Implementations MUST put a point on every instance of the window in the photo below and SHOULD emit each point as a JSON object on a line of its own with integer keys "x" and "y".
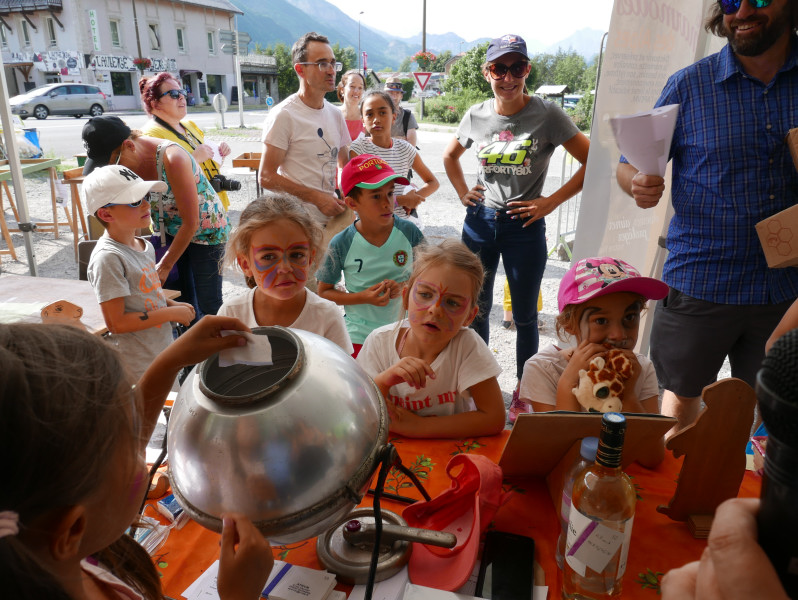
{"x": 3, "y": 36}
{"x": 155, "y": 38}
{"x": 181, "y": 39}
{"x": 50, "y": 32}
{"x": 116, "y": 41}
{"x": 211, "y": 44}
{"x": 23, "y": 27}
{"x": 121, "y": 84}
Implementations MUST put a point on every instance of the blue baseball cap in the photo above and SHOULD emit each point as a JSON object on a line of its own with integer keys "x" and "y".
{"x": 506, "y": 44}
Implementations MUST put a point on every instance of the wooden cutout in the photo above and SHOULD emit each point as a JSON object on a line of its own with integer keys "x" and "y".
{"x": 713, "y": 449}
{"x": 63, "y": 312}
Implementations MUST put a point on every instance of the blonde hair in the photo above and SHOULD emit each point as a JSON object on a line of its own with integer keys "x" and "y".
{"x": 262, "y": 212}
{"x": 570, "y": 317}
{"x": 451, "y": 253}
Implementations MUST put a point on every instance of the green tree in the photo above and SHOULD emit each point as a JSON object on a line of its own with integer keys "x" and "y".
{"x": 404, "y": 66}
{"x": 439, "y": 64}
{"x": 287, "y": 80}
{"x": 542, "y": 69}
{"x": 348, "y": 59}
{"x": 568, "y": 69}
{"x": 588, "y": 81}
{"x": 466, "y": 73}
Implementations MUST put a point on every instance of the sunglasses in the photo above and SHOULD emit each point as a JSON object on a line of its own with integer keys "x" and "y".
{"x": 135, "y": 204}
{"x": 499, "y": 71}
{"x": 174, "y": 94}
{"x": 729, "y": 7}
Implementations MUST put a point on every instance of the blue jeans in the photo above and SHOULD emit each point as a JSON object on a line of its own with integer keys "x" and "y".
{"x": 200, "y": 278}
{"x": 491, "y": 234}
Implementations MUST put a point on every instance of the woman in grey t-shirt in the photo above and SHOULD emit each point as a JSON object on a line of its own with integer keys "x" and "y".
{"x": 514, "y": 135}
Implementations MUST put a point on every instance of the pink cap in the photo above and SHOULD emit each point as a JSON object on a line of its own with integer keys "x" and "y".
{"x": 369, "y": 172}
{"x": 597, "y": 276}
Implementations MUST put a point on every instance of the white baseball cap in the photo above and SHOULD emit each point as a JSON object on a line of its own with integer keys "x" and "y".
{"x": 116, "y": 184}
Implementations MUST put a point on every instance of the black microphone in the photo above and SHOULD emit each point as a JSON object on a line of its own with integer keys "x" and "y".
{"x": 777, "y": 392}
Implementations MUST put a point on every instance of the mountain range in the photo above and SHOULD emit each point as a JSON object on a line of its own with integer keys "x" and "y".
{"x": 286, "y": 20}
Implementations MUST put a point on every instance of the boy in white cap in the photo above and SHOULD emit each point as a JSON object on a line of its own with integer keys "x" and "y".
{"x": 122, "y": 267}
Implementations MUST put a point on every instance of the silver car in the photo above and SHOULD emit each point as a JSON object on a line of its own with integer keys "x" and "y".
{"x": 60, "y": 99}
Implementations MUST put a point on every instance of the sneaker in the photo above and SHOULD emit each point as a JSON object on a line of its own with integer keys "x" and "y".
{"x": 517, "y": 407}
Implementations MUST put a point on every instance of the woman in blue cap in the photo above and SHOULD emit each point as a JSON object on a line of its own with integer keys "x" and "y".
{"x": 514, "y": 135}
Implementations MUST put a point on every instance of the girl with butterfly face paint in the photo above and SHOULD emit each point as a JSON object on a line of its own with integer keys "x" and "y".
{"x": 275, "y": 245}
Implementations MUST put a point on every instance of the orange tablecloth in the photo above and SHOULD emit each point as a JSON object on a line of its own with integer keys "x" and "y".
{"x": 658, "y": 544}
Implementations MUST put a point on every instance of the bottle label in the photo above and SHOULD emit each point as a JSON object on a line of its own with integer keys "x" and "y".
{"x": 592, "y": 544}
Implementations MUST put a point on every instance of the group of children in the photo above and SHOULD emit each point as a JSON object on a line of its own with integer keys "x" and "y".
{"x": 77, "y": 421}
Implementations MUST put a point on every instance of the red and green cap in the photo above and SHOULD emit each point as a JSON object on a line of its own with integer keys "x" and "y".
{"x": 369, "y": 172}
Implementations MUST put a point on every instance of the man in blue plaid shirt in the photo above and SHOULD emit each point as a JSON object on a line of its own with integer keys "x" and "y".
{"x": 731, "y": 169}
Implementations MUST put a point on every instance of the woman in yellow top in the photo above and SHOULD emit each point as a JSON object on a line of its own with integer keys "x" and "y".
{"x": 164, "y": 100}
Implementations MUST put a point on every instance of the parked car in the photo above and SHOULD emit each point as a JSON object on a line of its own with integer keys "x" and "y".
{"x": 60, "y": 99}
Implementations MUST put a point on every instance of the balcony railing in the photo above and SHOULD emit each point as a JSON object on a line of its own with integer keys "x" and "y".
{"x": 20, "y": 6}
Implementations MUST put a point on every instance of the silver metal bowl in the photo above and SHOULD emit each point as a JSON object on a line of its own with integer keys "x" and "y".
{"x": 293, "y": 445}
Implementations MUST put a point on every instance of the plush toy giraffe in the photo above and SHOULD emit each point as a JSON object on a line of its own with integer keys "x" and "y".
{"x": 601, "y": 386}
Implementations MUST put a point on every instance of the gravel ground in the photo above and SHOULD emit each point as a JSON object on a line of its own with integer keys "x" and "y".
{"x": 442, "y": 217}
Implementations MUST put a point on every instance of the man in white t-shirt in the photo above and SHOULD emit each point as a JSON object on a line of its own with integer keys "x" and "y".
{"x": 305, "y": 137}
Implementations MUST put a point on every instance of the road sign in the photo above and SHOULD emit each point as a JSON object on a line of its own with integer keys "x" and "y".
{"x": 422, "y": 79}
{"x": 219, "y": 103}
{"x": 269, "y": 101}
{"x": 227, "y": 41}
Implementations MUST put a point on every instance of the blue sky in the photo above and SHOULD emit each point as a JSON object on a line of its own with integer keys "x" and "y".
{"x": 547, "y": 21}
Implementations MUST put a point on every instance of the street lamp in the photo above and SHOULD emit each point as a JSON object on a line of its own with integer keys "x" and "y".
{"x": 359, "y": 55}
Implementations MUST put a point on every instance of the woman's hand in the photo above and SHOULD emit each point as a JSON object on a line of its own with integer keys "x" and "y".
{"x": 473, "y": 196}
{"x": 163, "y": 269}
{"x": 202, "y": 153}
{"x": 531, "y": 210}
{"x": 224, "y": 149}
{"x": 245, "y": 560}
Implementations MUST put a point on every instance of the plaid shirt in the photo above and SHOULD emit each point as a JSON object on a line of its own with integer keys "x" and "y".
{"x": 731, "y": 169}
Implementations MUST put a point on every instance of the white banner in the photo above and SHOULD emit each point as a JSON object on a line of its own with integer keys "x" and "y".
{"x": 649, "y": 40}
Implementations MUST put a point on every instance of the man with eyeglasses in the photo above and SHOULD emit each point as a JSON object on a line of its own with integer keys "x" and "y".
{"x": 731, "y": 169}
{"x": 305, "y": 137}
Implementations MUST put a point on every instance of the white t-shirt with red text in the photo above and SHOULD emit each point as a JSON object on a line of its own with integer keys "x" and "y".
{"x": 464, "y": 362}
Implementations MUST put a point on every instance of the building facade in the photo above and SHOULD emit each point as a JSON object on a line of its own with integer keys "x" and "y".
{"x": 113, "y": 43}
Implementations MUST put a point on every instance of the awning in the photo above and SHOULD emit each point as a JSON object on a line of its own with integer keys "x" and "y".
{"x": 184, "y": 72}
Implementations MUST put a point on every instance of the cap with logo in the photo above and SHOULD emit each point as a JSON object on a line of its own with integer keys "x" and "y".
{"x": 506, "y": 44}
{"x": 369, "y": 172}
{"x": 116, "y": 184}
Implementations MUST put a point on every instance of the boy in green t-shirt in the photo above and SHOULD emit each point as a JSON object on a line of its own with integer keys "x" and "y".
{"x": 375, "y": 253}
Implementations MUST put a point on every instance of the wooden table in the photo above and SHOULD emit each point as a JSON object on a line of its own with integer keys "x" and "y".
{"x": 658, "y": 544}
{"x": 30, "y": 166}
{"x": 250, "y": 160}
{"x": 22, "y": 298}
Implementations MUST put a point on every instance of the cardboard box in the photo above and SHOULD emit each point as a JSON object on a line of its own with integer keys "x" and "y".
{"x": 778, "y": 235}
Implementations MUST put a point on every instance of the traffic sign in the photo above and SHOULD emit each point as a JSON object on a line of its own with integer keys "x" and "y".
{"x": 422, "y": 79}
{"x": 227, "y": 40}
{"x": 269, "y": 101}
{"x": 219, "y": 103}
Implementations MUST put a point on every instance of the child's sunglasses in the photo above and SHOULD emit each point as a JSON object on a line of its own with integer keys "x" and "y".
{"x": 729, "y": 7}
{"x": 174, "y": 94}
{"x": 499, "y": 71}
{"x": 135, "y": 204}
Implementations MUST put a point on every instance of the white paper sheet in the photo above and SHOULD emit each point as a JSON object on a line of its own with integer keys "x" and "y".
{"x": 645, "y": 138}
{"x": 258, "y": 351}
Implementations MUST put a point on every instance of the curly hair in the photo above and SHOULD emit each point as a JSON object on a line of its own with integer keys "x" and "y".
{"x": 263, "y": 211}
{"x": 339, "y": 90}
{"x": 714, "y": 21}
{"x": 150, "y": 89}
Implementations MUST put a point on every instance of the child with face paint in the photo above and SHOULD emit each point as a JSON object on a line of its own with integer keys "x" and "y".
{"x": 276, "y": 245}
{"x": 374, "y": 254}
{"x": 600, "y": 301}
{"x": 73, "y": 430}
{"x": 437, "y": 376}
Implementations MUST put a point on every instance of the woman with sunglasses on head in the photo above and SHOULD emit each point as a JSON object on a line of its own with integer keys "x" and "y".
{"x": 163, "y": 98}
{"x": 189, "y": 213}
{"x": 514, "y": 135}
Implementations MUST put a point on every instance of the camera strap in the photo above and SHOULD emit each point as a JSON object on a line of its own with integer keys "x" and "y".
{"x": 193, "y": 142}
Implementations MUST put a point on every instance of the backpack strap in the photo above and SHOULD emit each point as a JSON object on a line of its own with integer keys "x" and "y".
{"x": 405, "y": 120}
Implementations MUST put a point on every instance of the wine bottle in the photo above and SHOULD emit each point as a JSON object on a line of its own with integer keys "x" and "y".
{"x": 587, "y": 456}
{"x": 600, "y": 520}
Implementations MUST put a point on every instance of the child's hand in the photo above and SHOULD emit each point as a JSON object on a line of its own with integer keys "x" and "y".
{"x": 636, "y": 368}
{"x": 410, "y": 370}
{"x": 183, "y": 313}
{"x": 205, "y": 339}
{"x": 410, "y": 200}
{"x": 243, "y": 570}
{"x": 394, "y": 289}
{"x": 378, "y": 294}
{"x": 403, "y": 421}
{"x": 580, "y": 359}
